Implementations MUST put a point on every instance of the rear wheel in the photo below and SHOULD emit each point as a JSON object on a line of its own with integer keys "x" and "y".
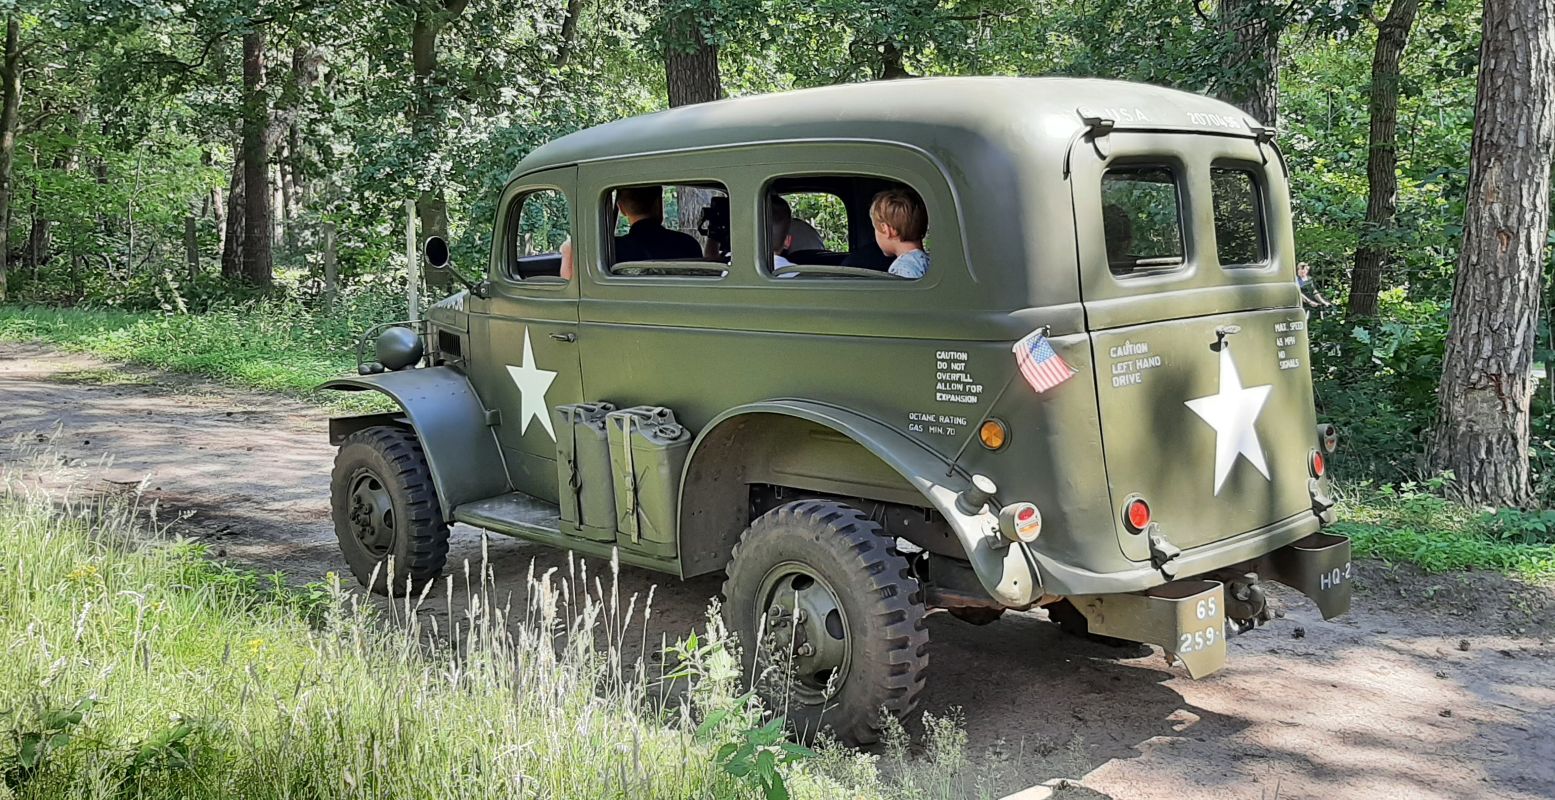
{"x": 828, "y": 612}
{"x": 386, "y": 510}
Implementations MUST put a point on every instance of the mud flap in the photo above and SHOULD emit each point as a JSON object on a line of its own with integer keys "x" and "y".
{"x": 1318, "y": 567}
{"x": 1185, "y": 618}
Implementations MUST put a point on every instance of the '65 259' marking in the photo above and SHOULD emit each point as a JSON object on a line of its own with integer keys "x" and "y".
{"x": 1197, "y": 640}
{"x": 1334, "y": 577}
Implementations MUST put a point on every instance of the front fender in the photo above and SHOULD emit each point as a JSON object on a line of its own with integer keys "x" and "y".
{"x": 1006, "y": 572}
{"x": 450, "y": 421}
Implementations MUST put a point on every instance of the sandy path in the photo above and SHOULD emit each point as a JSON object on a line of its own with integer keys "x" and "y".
{"x": 1382, "y": 703}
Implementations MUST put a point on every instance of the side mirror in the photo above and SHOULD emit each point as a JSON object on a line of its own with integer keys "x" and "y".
{"x": 435, "y": 252}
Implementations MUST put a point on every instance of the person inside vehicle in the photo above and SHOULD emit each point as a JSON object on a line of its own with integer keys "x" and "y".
{"x": 1119, "y": 233}
{"x": 565, "y": 251}
{"x": 803, "y": 236}
{"x": 901, "y": 222}
{"x": 780, "y": 220}
{"x": 648, "y": 239}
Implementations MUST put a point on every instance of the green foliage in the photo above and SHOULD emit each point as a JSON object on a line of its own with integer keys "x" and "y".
{"x": 1410, "y": 522}
{"x": 277, "y": 345}
{"x": 1378, "y": 385}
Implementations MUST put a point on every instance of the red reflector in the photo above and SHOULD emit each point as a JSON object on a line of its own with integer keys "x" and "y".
{"x": 1026, "y": 514}
{"x": 1138, "y": 514}
{"x": 1317, "y": 465}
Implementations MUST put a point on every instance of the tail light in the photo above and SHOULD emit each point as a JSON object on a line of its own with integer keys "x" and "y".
{"x": 1020, "y": 522}
{"x": 1329, "y": 436}
{"x": 1316, "y": 463}
{"x": 1136, "y": 514}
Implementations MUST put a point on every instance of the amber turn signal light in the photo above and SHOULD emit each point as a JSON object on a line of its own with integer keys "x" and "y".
{"x": 993, "y": 434}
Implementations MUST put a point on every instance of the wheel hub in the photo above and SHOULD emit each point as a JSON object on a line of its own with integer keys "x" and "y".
{"x": 807, "y": 630}
{"x": 371, "y": 514}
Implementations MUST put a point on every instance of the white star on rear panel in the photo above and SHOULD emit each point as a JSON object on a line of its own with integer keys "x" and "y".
{"x": 1232, "y": 412}
{"x": 533, "y": 383}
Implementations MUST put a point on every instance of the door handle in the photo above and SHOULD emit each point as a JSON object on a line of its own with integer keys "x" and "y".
{"x": 565, "y": 337}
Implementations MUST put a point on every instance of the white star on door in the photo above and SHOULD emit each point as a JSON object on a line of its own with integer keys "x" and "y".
{"x": 533, "y": 383}
{"x": 1232, "y": 412}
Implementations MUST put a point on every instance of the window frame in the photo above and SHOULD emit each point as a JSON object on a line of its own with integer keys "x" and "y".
{"x": 1260, "y": 211}
{"x": 514, "y": 217}
{"x": 1180, "y": 176}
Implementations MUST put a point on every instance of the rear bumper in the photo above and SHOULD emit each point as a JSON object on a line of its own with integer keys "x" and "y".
{"x": 1064, "y": 579}
{"x": 1187, "y": 618}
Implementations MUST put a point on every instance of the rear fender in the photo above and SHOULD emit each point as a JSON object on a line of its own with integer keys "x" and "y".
{"x": 450, "y": 423}
{"x": 717, "y": 469}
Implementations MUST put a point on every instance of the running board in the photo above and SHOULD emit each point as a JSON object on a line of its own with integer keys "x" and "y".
{"x": 515, "y": 514}
{"x": 518, "y": 514}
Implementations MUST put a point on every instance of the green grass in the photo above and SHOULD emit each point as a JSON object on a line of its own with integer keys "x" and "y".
{"x": 1409, "y": 525}
{"x": 275, "y": 347}
{"x": 137, "y": 668}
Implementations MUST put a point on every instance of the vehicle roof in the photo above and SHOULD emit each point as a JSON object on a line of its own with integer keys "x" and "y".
{"x": 940, "y": 115}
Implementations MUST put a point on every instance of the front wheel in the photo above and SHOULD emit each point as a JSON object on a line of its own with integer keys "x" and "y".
{"x": 387, "y": 517}
{"x": 830, "y": 616}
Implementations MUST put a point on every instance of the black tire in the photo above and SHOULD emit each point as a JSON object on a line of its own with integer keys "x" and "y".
{"x": 828, "y": 550}
{"x": 398, "y": 519}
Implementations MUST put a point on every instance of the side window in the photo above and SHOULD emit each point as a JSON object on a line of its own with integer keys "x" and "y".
{"x": 540, "y": 222}
{"x": 1240, "y": 239}
{"x": 1142, "y": 220}
{"x": 824, "y": 226}
{"x": 667, "y": 229}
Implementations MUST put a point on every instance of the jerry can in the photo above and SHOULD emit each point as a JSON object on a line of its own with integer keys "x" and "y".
{"x": 648, "y": 450}
{"x": 583, "y": 482}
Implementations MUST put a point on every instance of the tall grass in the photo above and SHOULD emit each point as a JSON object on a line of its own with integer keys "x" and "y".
{"x": 136, "y": 667}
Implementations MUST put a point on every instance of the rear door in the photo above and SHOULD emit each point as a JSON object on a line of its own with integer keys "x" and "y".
{"x": 1200, "y": 346}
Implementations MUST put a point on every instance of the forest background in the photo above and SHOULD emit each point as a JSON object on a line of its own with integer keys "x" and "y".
{"x": 168, "y": 166}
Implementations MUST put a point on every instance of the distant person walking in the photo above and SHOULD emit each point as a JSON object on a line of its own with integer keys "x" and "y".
{"x": 1310, "y": 296}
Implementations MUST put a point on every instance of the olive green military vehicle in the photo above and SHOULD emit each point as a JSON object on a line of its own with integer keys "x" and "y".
{"x": 1096, "y": 401}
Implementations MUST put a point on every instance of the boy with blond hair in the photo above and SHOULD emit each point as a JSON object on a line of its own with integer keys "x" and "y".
{"x": 901, "y": 222}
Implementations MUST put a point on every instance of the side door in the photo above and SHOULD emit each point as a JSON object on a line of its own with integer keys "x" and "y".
{"x": 526, "y": 360}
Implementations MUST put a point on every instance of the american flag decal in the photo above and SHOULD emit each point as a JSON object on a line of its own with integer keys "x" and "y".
{"x": 1039, "y": 365}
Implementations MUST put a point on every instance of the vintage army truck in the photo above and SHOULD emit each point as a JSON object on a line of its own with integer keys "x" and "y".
{"x": 853, "y": 449}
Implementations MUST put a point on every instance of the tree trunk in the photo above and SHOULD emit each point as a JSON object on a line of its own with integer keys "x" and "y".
{"x": 257, "y": 267}
{"x": 691, "y": 76}
{"x": 1253, "y": 58}
{"x": 426, "y": 120}
{"x": 1381, "y": 160}
{"x": 10, "y": 100}
{"x": 1481, "y": 432}
{"x": 232, "y": 236}
{"x": 569, "y": 33}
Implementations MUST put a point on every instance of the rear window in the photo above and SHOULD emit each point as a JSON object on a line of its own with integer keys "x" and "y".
{"x": 1239, "y": 228}
{"x": 1142, "y": 220}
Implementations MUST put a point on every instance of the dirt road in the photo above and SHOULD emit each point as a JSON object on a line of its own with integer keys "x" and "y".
{"x": 1437, "y": 687}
